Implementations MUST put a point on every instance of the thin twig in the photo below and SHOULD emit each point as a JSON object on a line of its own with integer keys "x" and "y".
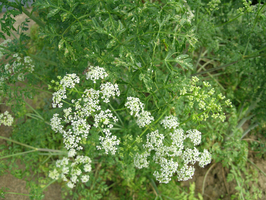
{"x": 216, "y": 68}
{"x": 226, "y": 186}
{"x": 204, "y": 180}
{"x": 257, "y": 167}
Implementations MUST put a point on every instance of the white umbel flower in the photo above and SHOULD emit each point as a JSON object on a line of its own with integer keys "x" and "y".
{"x": 170, "y": 122}
{"x": 205, "y": 158}
{"x": 144, "y": 119}
{"x": 6, "y": 119}
{"x": 195, "y": 136}
{"x": 69, "y": 81}
{"x": 85, "y": 178}
{"x": 70, "y": 170}
{"x": 185, "y": 173}
{"x": 108, "y": 143}
{"x": 134, "y": 105}
{"x": 96, "y": 73}
{"x": 140, "y": 160}
{"x": 108, "y": 89}
{"x": 70, "y": 184}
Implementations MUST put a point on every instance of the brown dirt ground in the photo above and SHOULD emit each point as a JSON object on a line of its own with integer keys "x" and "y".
{"x": 215, "y": 186}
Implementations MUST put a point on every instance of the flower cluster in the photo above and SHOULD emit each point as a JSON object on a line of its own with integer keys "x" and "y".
{"x": 19, "y": 67}
{"x": 3, "y": 44}
{"x": 204, "y": 98}
{"x": 72, "y": 170}
{"x": 96, "y": 73}
{"x": 6, "y": 119}
{"x": 68, "y": 81}
{"x": 171, "y": 154}
{"x": 137, "y": 109}
{"x": 108, "y": 89}
{"x": 74, "y": 125}
{"x": 108, "y": 143}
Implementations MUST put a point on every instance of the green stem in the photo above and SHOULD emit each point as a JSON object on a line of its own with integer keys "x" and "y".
{"x": 17, "y": 154}
{"x": 116, "y": 114}
{"x": 230, "y": 20}
{"x": 48, "y": 184}
{"x": 43, "y": 60}
{"x": 19, "y": 193}
{"x": 204, "y": 180}
{"x": 28, "y": 146}
{"x": 120, "y": 109}
{"x": 166, "y": 110}
{"x": 11, "y": 4}
{"x": 255, "y": 22}
{"x": 191, "y": 117}
{"x": 257, "y": 167}
{"x": 216, "y": 68}
{"x": 37, "y": 114}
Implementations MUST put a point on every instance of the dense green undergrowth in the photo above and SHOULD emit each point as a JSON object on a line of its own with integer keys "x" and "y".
{"x": 129, "y": 95}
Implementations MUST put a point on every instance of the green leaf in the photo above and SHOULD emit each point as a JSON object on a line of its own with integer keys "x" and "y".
{"x": 147, "y": 81}
{"x": 64, "y": 16}
{"x": 61, "y": 44}
{"x": 184, "y": 61}
{"x": 2, "y": 36}
{"x": 70, "y": 2}
{"x": 53, "y": 12}
{"x": 72, "y": 7}
{"x": 74, "y": 27}
{"x": 111, "y": 43}
{"x": 41, "y": 4}
{"x": 79, "y": 36}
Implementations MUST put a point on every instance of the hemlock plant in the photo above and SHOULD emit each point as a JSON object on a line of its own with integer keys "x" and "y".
{"x": 173, "y": 150}
{"x": 123, "y": 107}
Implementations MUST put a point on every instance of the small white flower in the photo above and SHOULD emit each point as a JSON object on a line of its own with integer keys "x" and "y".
{"x": 154, "y": 141}
{"x": 57, "y": 98}
{"x": 191, "y": 156}
{"x": 76, "y": 172}
{"x": 72, "y": 153}
{"x": 96, "y": 73}
{"x": 56, "y": 123}
{"x": 74, "y": 178}
{"x": 86, "y": 159}
{"x": 64, "y": 161}
{"x": 58, "y": 163}
{"x": 140, "y": 160}
{"x": 168, "y": 168}
{"x": 69, "y": 81}
{"x": 108, "y": 143}
{"x": 170, "y": 122}
{"x": 70, "y": 184}
{"x": 27, "y": 59}
{"x": 21, "y": 77}
{"x": 54, "y": 174}
{"x": 85, "y": 178}
{"x": 6, "y": 119}
{"x": 144, "y": 119}
{"x": 134, "y": 105}
{"x": 185, "y": 173}
{"x": 15, "y": 55}
{"x": 87, "y": 168}
{"x": 104, "y": 117}
{"x": 65, "y": 170}
{"x": 205, "y": 158}
{"x": 195, "y": 136}
{"x": 8, "y": 68}
{"x": 108, "y": 89}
